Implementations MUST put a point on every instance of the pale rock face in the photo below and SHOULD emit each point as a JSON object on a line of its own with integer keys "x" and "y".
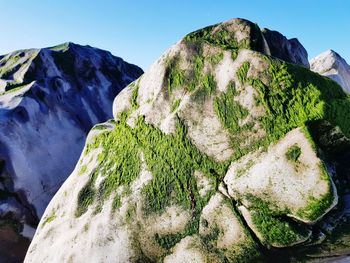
{"x": 215, "y": 152}
{"x": 75, "y": 251}
{"x": 219, "y": 215}
{"x": 272, "y": 177}
{"x": 187, "y": 250}
{"x": 49, "y": 99}
{"x": 204, "y": 184}
{"x": 332, "y": 65}
{"x": 120, "y": 238}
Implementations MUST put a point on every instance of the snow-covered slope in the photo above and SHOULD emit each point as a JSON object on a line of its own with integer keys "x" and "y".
{"x": 332, "y": 65}
{"x": 49, "y": 99}
{"x": 218, "y": 153}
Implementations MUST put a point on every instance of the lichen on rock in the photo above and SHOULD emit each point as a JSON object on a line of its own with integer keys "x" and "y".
{"x": 223, "y": 136}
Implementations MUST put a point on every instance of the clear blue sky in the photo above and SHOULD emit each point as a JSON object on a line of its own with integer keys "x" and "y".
{"x": 140, "y": 31}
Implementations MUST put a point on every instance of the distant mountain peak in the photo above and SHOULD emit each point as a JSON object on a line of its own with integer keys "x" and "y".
{"x": 62, "y": 47}
{"x": 332, "y": 65}
{"x": 49, "y": 99}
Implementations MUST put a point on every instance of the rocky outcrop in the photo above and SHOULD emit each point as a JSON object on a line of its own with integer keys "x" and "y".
{"x": 289, "y": 50}
{"x": 49, "y": 99}
{"x": 218, "y": 153}
{"x": 332, "y": 65}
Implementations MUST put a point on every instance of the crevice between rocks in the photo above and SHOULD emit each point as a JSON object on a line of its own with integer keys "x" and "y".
{"x": 268, "y": 254}
{"x": 235, "y": 204}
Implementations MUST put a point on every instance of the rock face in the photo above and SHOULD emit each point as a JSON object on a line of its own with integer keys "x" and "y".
{"x": 289, "y": 50}
{"x": 218, "y": 153}
{"x": 49, "y": 99}
{"x": 332, "y": 65}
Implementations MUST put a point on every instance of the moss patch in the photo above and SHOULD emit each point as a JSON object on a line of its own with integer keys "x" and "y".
{"x": 294, "y": 97}
{"x": 13, "y": 88}
{"x": 134, "y": 96}
{"x": 191, "y": 80}
{"x": 224, "y": 37}
{"x": 229, "y": 111}
{"x": 116, "y": 202}
{"x": 82, "y": 169}
{"x": 216, "y": 58}
{"x": 119, "y": 164}
{"x": 273, "y": 229}
{"x": 168, "y": 241}
{"x": 86, "y": 197}
{"x": 293, "y": 153}
{"x": 243, "y": 71}
{"x": 174, "y": 75}
{"x": 49, "y": 219}
{"x": 175, "y": 105}
{"x": 317, "y": 207}
{"x": 172, "y": 159}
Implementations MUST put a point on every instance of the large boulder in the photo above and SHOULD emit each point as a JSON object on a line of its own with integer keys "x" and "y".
{"x": 218, "y": 153}
{"x": 49, "y": 100}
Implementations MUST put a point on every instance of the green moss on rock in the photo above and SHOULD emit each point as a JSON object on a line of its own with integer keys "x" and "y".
{"x": 338, "y": 112}
{"x": 48, "y": 219}
{"x": 169, "y": 240}
{"x": 224, "y": 36}
{"x": 13, "y": 88}
{"x": 275, "y": 230}
{"x": 243, "y": 71}
{"x": 293, "y": 153}
{"x": 134, "y": 96}
{"x": 174, "y": 75}
{"x": 116, "y": 202}
{"x": 172, "y": 159}
{"x": 290, "y": 96}
{"x": 175, "y": 105}
{"x": 317, "y": 207}
{"x": 86, "y": 198}
{"x": 191, "y": 80}
{"x": 119, "y": 161}
{"x": 82, "y": 170}
{"x": 216, "y": 58}
{"x": 294, "y": 97}
{"x": 289, "y": 103}
{"x": 229, "y": 111}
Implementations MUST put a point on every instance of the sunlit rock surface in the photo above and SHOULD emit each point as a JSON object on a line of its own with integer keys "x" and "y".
{"x": 218, "y": 153}
{"x": 332, "y": 65}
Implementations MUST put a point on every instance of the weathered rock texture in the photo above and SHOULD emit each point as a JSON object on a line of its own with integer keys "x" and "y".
{"x": 332, "y": 65}
{"x": 218, "y": 153}
{"x": 49, "y": 99}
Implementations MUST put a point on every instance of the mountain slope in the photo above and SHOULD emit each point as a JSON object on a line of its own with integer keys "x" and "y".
{"x": 332, "y": 65}
{"x": 49, "y": 99}
{"x": 218, "y": 153}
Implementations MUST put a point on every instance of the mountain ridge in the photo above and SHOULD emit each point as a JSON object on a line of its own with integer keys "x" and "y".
{"x": 49, "y": 99}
